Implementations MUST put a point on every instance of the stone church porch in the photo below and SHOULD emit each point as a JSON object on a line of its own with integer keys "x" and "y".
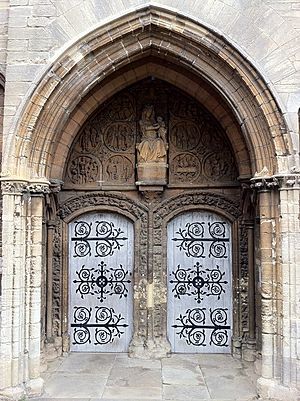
{"x": 92, "y": 377}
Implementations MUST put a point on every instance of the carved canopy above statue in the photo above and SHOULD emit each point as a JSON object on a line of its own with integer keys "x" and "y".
{"x": 105, "y": 150}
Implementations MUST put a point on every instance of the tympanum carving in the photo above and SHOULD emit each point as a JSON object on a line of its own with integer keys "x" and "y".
{"x": 150, "y": 126}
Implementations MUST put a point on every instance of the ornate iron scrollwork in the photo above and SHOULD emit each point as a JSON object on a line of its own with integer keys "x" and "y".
{"x": 193, "y": 327}
{"x": 192, "y": 238}
{"x": 198, "y": 282}
{"x": 102, "y": 281}
{"x": 108, "y": 325}
{"x": 107, "y": 238}
{"x": 81, "y": 333}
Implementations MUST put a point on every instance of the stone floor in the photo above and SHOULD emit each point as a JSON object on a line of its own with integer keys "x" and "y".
{"x": 93, "y": 377}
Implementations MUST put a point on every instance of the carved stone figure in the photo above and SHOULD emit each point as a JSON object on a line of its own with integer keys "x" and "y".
{"x": 152, "y": 147}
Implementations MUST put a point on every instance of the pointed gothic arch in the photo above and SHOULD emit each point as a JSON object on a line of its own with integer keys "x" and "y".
{"x": 151, "y": 41}
{"x": 148, "y": 31}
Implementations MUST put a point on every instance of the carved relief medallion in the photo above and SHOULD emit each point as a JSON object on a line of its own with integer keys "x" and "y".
{"x": 185, "y": 167}
{"x": 119, "y": 137}
{"x": 121, "y": 108}
{"x": 83, "y": 170}
{"x": 119, "y": 168}
{"x": 185, "y": 135}
{"x": 89, "y": 139}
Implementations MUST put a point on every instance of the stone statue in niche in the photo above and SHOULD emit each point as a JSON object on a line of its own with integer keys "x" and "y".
{"x": 152, "y": 147}
{"x": 152, "y": 150}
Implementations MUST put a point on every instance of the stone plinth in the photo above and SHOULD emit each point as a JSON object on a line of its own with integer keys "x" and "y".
{"x": 151, "y": 173}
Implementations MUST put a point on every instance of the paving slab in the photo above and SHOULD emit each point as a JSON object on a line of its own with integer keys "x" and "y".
{"x": 185, "y": 393}
{"x": 134, "y": 377}
{"x": 181, "y": 377}
{"x": 230, "y": 387}
{"x": 177, "y": 375}
{"x": 68, "y": 385}
{"x": 124, "y": 361}
{"x": 88, "y": 363}
{"x": 129, "y": 393}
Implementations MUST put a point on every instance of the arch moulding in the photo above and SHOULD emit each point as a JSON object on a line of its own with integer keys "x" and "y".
{"x": 108, "y": 48}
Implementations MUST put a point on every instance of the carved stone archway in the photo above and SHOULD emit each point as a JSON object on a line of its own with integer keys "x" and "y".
{"x": 205, "y": 54}
{"x": 73, "y": 86}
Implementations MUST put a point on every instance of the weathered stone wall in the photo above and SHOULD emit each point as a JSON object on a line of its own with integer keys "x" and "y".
{"x": 4, "y": 6}
{"x": 267, "y": 32}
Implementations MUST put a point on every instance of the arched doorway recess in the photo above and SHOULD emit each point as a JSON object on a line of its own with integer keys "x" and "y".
{"x": 65, "y": 98}
{"x": 103, "y": 157}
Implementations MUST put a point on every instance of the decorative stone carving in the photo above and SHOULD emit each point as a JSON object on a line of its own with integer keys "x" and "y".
{"x": 122, "y": 108}
{"x": 152, "y": 147}
{"x": 243, "y": 287}
{"x": 185, "y": 135}
{"x": 57, "y": 281}
{"x": 264, "y": 183}
{"x": 13, "y": 187}
{"x": 23, "y": 187}
{"x": 119, "y": 169}
{"x": 119, "y": 137}
{"x": 38, "y": 188}
{"x": 288, "y": 181}
{"x": 185, "y": 167}
{"x": 84, "y": 170}
{"x": 198, "y": 152}
{"x": 89, "y": 139}
{"x": 55, "y": 185}
{"x": 152, "y": 150}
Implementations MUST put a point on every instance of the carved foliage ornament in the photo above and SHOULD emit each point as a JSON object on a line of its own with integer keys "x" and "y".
{"x": 21, "y": 187}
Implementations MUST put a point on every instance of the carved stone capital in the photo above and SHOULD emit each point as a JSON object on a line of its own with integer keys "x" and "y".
{"x": 289, "y": 181}
{"x": 263, "y": 184}
{"x": 38, "y": 188}
{"x": 21, "y": 187}
{"x": 11, "y": 187}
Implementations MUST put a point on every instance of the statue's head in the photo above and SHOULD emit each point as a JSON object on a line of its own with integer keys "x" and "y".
{"x": 148, "y": 112}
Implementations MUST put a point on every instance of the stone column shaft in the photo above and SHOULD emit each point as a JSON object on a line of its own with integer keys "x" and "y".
{"x": 266, "y": 234}
{"x": 13, "y": 285}
{"x": 21, "y": 285}
{"x": 290, "y": 244}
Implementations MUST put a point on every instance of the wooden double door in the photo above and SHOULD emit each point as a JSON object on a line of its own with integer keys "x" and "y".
{"x": 101, "y": 282}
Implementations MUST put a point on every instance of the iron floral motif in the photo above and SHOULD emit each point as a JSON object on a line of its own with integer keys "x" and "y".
{"x": 102, "y": 281}
{"x": 191, "y": 239}
{"x": 194, "y": 328}
{"x": 108, "y": 325}
{"x": 108, "y": 238}
{"x": 198, "y": 282}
